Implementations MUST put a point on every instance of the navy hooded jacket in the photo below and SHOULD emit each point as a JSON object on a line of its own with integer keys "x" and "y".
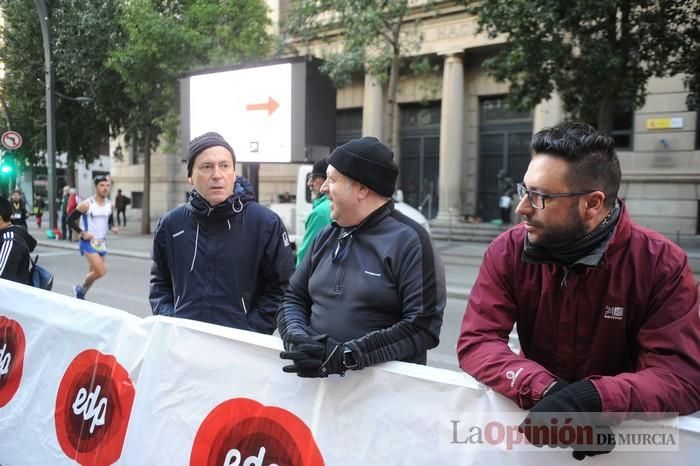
{"x": 227, "y": 265}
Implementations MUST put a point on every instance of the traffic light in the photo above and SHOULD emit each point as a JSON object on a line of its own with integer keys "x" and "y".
{"x": 7, "y": 165}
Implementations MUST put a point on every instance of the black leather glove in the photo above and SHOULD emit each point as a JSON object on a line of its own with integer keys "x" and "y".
{"x": 305, "y": 351}
{"x": 317, "y": 356}
{"x": 575, "y": 403}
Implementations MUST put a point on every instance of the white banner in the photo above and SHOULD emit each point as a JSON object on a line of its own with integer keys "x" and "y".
{"x": 81, "y": 383}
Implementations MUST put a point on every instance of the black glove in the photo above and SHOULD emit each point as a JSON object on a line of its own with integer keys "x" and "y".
{"x": 305, "y": 351}
{"x": 575, "y": 402}
{"x": 317, "y": 356}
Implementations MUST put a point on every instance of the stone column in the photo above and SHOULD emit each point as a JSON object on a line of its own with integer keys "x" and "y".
{"x": 372, "y": 108}
{"x": 451, "y": 130}
{"x": 548, "y": 112}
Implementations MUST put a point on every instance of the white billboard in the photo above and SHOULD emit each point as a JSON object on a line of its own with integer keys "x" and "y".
{"x": 250, "y": 107}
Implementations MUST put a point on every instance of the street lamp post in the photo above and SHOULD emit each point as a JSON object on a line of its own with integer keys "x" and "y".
{"x": 50, "y": 111}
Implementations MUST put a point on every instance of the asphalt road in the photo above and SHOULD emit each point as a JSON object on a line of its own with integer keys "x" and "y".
{"x": 125, "y": 286}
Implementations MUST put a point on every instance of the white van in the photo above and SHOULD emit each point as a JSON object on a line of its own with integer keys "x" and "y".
{"x": 294, "y": 214}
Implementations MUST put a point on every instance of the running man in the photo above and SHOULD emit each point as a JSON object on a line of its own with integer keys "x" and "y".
{"x": 97, "y": 219}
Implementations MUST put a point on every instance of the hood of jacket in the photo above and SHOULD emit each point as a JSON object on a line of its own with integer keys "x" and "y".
{"x": 244, "y": 188}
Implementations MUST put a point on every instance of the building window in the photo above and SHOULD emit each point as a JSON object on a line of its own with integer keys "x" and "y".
{"x": 495, "y": 110}
{"x": 348, "y": 125}
{"x": 104, "y": 147}
{"x": 623, "y": 124}
{"x": 136, "y": 199}
{"x": 135, "y": 155}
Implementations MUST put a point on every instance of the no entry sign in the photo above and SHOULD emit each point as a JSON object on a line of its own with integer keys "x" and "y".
{"x": 11, "y": 140}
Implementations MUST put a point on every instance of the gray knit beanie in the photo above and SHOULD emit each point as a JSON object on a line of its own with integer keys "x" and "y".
{"x": 203, "y": 142}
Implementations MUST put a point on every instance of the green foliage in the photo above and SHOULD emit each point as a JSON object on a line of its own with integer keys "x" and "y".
{"x": 688, "y": 58}
{"x": 82, "y": 70}
{"x": 22, "y": 94}
{"x": 163, "y": 39}
{"x": 79, "y": 70}
{"x": 125, "y": 55}
{"x": 590, "y": 51}
{"x": 371, "y": 34}
{"x": 229, "y": 31}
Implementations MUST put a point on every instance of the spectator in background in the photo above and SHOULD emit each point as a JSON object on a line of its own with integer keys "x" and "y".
{"x": 320, "y": 215}
{"x": 73, "y": 201}
{"x": 15, "y": 245}
{"x": 372, "y": 287}
{"x": 63, "y": 209}
{"x": 120, "y": 203}
{"x": 505, "y": 203}
{"x": 222, "y": 257}
{"x": 38, "y": 209}
{"x": 19, "y": 209}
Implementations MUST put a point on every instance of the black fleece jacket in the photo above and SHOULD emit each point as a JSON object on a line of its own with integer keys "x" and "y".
{"x": 381, "y": 291}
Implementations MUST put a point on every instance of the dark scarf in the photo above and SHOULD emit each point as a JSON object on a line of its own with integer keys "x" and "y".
{"x": 587, "y": 250}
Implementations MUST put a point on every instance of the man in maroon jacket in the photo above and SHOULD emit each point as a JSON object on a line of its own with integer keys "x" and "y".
{"x": 606, "y": 310}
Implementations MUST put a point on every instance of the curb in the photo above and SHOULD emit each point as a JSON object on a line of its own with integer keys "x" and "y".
{"x": 112, "y": 252}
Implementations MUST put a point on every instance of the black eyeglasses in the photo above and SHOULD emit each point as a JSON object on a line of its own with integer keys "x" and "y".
{"x": 341, "y": 249}
{"x": 537, "y": 198}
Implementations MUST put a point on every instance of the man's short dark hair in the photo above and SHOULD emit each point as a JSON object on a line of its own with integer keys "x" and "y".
{"x": 5, "y": 209}
{"x": 593, "y": 162}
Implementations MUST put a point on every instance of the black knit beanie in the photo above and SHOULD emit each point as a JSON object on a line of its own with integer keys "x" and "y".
{"x": 367, "y": 161}
{"x": 319, "y": 168}
{"x": 203, "y": 142}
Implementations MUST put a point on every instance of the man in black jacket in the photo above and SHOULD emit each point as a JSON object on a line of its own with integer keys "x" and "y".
{"x": 222, "y": 257}
{"x": 372, "y": 287}
{"x": 19, "y": 209}
{"x": 15, "y": 245}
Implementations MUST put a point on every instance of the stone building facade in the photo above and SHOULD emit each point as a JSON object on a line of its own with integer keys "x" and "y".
{"x": 453, "y": 134}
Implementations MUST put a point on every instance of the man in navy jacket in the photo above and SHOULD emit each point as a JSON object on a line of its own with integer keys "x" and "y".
{"x": 222, "y": 257}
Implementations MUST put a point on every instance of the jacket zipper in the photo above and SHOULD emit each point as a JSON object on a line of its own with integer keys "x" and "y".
{"x": 563, "y": 280}
{"x": 244, "y": 308}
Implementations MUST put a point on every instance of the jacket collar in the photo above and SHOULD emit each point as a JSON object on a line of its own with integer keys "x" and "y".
{"x": 203, "y": 211}
{"x": 623, "y": 231}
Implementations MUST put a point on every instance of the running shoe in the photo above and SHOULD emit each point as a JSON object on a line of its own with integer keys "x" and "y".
{"x": 78, "y": 292}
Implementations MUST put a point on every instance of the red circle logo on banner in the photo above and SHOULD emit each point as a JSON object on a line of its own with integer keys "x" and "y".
{"x": 242, "y": 431}
{"x": 93, "y": 406}
{"x": 12, "y": 346}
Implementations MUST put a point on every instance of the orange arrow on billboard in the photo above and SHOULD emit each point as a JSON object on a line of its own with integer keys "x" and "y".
{"x": 271, "y": 105}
